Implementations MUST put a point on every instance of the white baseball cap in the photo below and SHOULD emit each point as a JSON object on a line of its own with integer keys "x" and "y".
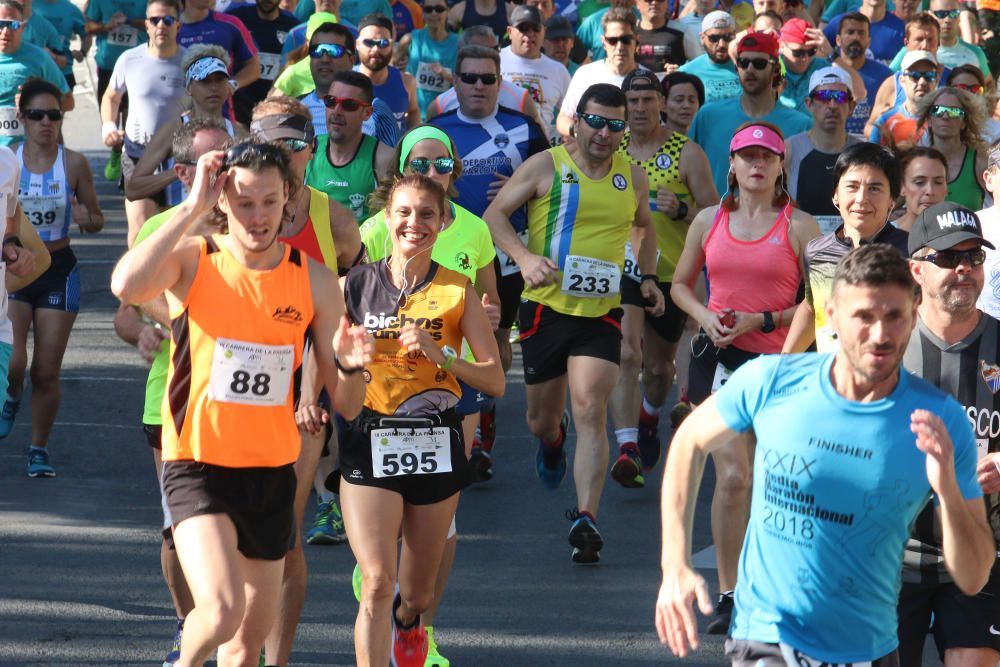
{"x": 829, "y": 76}
{"x": 718, "y": 20}
{"x": 913, "y": 57}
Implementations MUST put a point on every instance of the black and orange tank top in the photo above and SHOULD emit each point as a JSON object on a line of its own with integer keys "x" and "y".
{"x": 401, "y": 382}
{"x": 235, "y": 343}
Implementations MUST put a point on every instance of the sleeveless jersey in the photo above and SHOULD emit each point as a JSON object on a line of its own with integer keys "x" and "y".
{"x": 664, "y": 171}
{"x": 497, "y": 21}
{"x": 970, "y": 371}
{"x": 46, "y": 198}
{"x": 393, "y": 92}
{"x": 315, "y": 238}
{"x": 964, "y": 189}
{"x": 401, "y": 382}
{"x": 582, "y": 225}
{"x": 235, "y": 344}
{"x": 349, "y": 184}
{"x": 425, "y": 52}
{"x": 753, "y": 276}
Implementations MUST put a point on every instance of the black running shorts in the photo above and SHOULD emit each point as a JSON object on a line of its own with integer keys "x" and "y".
{"x": 550, "y": 338}
{"x": 509, "y": 288}
{"x": 258, "y": 500}
{"x": 670, "y": 325}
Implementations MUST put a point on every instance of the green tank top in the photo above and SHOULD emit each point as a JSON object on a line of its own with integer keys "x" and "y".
{"x": 965, "y": 189}
{"x": 349, "y": 184}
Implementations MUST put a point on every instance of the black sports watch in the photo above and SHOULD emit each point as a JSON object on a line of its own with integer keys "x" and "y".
{"x": 682, "y": 211}
{"x": 768, "y": 325}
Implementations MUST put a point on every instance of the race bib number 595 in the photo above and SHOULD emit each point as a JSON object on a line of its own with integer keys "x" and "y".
{"x": 410, "y": 451}
{"x": 251, "y": 373}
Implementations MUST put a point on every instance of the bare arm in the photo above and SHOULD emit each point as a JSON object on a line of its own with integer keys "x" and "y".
{"x": 413, "y": 108}
{"x": 249, "y": 73}
{"x": 697, "y": 176}
{"x": 346, "y": 235}
{"x": 882, "y": 103}
{"x": 802, "y": 331}
{"x": 33, "y": 244}
{"x": 689, "y": 265}
{"x": 383, "y": 160}
{"x": 144, "y": 182}
{"x": 86, "y": 194}
{"x": 564, "y": 124}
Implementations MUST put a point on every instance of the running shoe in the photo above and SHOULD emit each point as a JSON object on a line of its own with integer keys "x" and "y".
{"x": 356, "y": 582}
{"x": 649, "y": 440}
{"x": 486, "y": 434}
{"x": 723, "y": 615}
{"x": 434, "y": 659}
{"x": 584, "y": 538}
{"x": 38, "y": 463}
{"x": 627, "y": 470}
{"x": 113, "y": 169}
{"x": 7, "y": 414}
{"x": 175, "y": 651}
{"x": 679, "y": 412}
{"x": 550, "y": 462}
{"x": 409, "y": 645}
{"x": 328, "y": 527}
{"x": 482, "y": 465}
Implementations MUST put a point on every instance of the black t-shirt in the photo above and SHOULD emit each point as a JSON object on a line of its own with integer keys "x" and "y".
{"x": 659, "y": 47}
{"x": 269, "y": 36}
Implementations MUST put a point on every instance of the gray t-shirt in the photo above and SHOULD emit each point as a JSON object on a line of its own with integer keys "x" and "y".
{"x": 155, "y": 87}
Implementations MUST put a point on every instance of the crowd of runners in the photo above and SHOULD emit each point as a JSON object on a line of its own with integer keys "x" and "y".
{"x": 344, "y": 217}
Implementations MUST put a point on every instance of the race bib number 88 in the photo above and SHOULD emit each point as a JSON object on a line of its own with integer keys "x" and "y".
{"x": 590, "y": 278}
{"x": 398, "y": 452}
{"x": 251, "y": 373}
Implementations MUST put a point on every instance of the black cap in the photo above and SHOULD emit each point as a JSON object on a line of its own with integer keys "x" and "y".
{"x": 641, "y": 79}
{"x": 558, "y": 26}
{"x": 944, "y": 226}
{"x": 526, "y": 14}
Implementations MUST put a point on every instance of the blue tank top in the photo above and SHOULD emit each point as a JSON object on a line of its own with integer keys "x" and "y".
{"x": 393, "y": 93}
{"x": 46, "y": 198}
{"x": 497, "y": 21}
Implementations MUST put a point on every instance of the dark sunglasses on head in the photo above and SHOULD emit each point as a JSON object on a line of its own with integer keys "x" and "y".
{"x": 331, "y": 50}
{"x": 38, "y": 114}
{"x": 422, "y": 165}
{"x": 835, "y": 96}
{"x": 974, "y": 88}
{"x": 250, "y": 151}
{"x": 714, "y": 39}
{"x": 348, "y": 103}
{"x": 377, "y": 43}
{"x": 624, "y": 39}
{"x": 945, "y": 111}
{"x": 470, "y": 78}
{"x": 435, "y": 9}
{"x": 947, "y": 13}
{"x": 758, "y": 63}
{"x": 598, "y": 122}
{"x": 949, "y": 259}
{"x": 296, "y": 145}
{"x": 803, "y": 53}
{"x": 916, "y": 76}
{"x": 165, "y": 20}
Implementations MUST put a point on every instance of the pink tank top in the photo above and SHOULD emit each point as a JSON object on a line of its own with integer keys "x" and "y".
{"x": 753, "y": 276}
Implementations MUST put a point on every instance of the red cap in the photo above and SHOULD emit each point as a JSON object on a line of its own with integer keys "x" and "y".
{"x": 760, "y": 42}
{"x": 794, "y": 31}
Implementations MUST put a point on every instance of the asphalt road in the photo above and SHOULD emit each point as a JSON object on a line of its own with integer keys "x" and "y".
{"x": 80, "y": 580}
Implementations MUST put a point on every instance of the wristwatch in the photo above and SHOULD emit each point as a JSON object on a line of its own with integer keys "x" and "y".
{"x": 450, "y": 355}
{"x": 768, "y": 325}
{"x": 682, "y": 211}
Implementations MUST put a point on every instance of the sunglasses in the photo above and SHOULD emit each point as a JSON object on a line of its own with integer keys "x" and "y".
{"x": 974, "y": 88}
{"x": 714, "y": 39}
{"x": 296, "y": 145}
{"x": 435, "y": 9}
{"x": 246, "y": 152}
{"x": 377, "y": 43}
{"x": 348, "y": 103}
{"x": 949, "y": 259}
{"x": 470, "y": 78}
{"x": 165, "y": 20}
{"x": 758, "y": 63}
{"x": 624, "y": 39}
{"x": 803, "y": 53}
{"x": 835, "y": 96}
{"x": 944, "y": 111}
{"x": 947, "y": 13}
{"x": 528, "y": 27}
{"x": 422, "y": 165}
{"x": 330, "y": 50}
{"x": 13, "y": 25}
{"x": 598, "y": 122}
{"x": 38, "y": 114}
{"x": 916, "y": 76}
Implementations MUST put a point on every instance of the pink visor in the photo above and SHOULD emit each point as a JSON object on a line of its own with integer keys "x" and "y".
{"x": 757, "y": 135}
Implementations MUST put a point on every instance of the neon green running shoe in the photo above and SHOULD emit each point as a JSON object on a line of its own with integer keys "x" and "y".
{"x": 356, "y": 582}
{"x": 434, "y": 659}
{"x": 113, "y": 169}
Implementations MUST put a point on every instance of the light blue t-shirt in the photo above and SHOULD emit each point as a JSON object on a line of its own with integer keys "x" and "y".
{"x": 350, "y": 10}
{"x": 113, "y": 44}
{"x": 67, "y": 19}
{"x": 836, "y": 485}
{"x": 40, "y": 32}
{"x": 797, "y": 85}
{"x": 715, "y": 124}
{"x": 721, "y": 82}
{"x": 27, "y": 62}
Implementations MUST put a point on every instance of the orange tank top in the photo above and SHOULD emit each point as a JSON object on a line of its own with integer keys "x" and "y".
{"x": 753, "y": 276}
{"x": 235, "y": 344}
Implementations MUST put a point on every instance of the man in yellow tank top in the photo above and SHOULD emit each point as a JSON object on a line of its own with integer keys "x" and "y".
{"x": 584, "y": 202}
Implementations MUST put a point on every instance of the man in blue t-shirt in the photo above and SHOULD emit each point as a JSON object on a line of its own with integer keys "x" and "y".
{"x": 886, "y": 29}
{"x": 849, "y": 449}
{"x": 716, "y": 123}
{"x": 853, "y": 39}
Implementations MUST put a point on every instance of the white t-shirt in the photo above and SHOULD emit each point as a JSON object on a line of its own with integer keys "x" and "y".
{"x": 690, "y": 25}
{"x": 547, "y": 81}
{"x": 155, "y": 87}
{"x": 585, "y": 77}
{"x": 989, "y": 300}
{"x": 10, "y": 177}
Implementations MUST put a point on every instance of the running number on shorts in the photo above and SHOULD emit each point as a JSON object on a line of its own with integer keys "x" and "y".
{"x": 410, "y": 451}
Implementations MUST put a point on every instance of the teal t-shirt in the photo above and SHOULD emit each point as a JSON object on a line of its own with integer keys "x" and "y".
{"x": 424, "y": 51}
{"x": 27, "y": 62}
{"x": 350, "y": 10}
{"x": 836, "y": 485}
{"x": 591, "y": 31}
{"x": 40, "y": 32}
{"x": 721, "y": 82}
{"x": 67, "y": 19}
{"x": 797, "y": 85}
{"x": 716, "y": 123}
{"x": 110, "y": 45}
{"x": 961, "y": 53}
